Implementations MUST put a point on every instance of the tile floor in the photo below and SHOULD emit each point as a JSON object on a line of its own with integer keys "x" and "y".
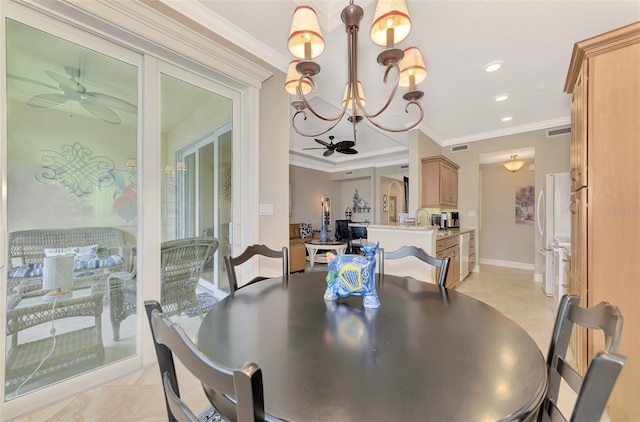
{"x": 139, "y": 397}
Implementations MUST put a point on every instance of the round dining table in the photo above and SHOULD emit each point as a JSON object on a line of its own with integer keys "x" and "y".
{"x": 426, "y": 354}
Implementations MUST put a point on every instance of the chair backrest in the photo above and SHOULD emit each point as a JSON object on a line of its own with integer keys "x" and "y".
{"x": 249, "y": 253}
{"x": 358, "y": 232}
{"x": 182, "y": 263}
{"x": 244, "y": 384}
{"x": 343, "y": 231}
{"x": 595, "y": 387}
{"x": 420, "y": 254}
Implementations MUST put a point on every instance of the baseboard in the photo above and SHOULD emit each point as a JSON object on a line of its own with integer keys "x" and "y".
{"x": 508, "y": 264}
{"x": 537, "y": 278}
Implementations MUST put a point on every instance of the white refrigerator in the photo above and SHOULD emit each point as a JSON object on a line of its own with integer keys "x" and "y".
{"x": 554, "y": 224}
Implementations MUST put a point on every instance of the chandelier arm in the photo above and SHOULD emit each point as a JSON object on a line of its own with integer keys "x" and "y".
{"x": 293, "y": 123}
{"x": 391, "y": 95}
{"x": 301, "y": 95}
{"x": 416, "y": 123}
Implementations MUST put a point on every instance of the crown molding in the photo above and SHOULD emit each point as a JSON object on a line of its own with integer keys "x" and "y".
{"x": 205, "y": 16}
{"x": 545, "y": 124}
{"x": 135, "y": 18}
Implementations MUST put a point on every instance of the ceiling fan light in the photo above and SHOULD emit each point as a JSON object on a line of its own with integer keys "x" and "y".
{"x": 293, "y": 76}
{"x": 305, "y": 38}
{"x": 514, "y": 165}
{"x": 391, "y": 23}
{"x": 347, "y": 96}
{"x": 412, "y": 67}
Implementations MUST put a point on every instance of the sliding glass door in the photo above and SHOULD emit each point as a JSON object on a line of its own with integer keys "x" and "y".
{"x": 72, "y": 208}
{"x": 197, "y": 150}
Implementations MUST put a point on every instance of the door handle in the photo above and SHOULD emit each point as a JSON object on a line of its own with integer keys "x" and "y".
{"x": 540, "y": 215}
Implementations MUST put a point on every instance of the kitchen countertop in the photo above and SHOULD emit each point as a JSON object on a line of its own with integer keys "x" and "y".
{"x": 412, "y": 227}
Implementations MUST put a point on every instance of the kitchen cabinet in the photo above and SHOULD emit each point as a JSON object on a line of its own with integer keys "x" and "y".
{"x": 472, "y": 250}
{"x": 605, "y": 87}
{"x": 450, "y": 247}
{"x": 439, "y": 182}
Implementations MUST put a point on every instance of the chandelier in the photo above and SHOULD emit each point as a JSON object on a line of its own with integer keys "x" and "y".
{"x": 514, "y": 165}
{"x": 391, "y": 25}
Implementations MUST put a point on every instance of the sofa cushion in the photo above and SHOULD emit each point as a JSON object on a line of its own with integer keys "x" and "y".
{"x": 81, "y": 253}
{"x": 35, "y": 270}
{"x": 305, "y": 231}
{"x": 294, "y": 231}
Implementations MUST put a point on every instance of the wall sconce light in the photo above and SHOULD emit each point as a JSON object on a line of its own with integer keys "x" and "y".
{"x": 514, "y": 165}
{"x": 170, "y": 169}
{"x": 131, "y": 164}
{"x": 181, "y": 166}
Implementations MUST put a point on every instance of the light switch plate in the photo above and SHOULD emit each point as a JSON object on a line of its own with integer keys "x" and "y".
{"x": 266, "y": 209}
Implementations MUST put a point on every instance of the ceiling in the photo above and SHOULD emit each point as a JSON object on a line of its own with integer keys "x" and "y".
{"x": 533, "y": 39}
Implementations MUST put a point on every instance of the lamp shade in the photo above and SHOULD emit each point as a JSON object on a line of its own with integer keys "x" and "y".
{"x": 514, "y": 165}
{"x": 57, "y": 273}
{"x": 392, "y": 20}
{"x": 181, "y": 166}
{"x": 305, "y": 38}
{"x": 412, "y": 67}
{"x": 293, "y": 76}
{"x": 131, "y": 163}
{"x": 347, "y": 95}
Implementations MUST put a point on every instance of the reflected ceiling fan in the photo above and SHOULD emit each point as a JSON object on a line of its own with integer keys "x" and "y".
{"x": 344, "y": 147}
{"x": 97, "y": 104}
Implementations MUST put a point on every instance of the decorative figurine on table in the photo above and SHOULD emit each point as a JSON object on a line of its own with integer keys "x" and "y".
{"x": 353, "y": 275}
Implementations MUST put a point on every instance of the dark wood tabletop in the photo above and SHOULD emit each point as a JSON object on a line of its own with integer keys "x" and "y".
{"x": 426, "y": 354}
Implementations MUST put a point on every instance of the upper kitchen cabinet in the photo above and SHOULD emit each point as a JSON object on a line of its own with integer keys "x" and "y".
{"x": 605, "y": 86}
{"x": 439, "y": 182}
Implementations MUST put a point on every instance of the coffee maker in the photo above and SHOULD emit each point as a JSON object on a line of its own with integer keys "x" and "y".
{"x": 453, "y": 221}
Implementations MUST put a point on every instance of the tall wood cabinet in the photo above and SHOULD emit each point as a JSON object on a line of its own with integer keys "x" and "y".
{"x": 604, "y": 80}
{"x": 439, "y": 182}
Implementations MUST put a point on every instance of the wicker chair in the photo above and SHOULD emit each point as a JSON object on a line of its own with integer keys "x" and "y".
{"x": 182, "y": 264}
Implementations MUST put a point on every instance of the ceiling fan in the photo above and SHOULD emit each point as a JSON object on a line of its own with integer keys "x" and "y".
{"x": 97, "y": 104}
{"x": 344, "y": 147}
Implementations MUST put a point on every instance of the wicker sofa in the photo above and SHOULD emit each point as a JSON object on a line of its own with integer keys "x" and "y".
{"x": 26, "y": 252}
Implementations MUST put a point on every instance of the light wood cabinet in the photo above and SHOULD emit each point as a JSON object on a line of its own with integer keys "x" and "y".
{"x": 439, "y": 182}
{"x": 450, "y": 247}
{"x": 603, "y": 80}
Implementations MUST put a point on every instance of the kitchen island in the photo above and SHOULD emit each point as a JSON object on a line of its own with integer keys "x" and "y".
{"x": 394, "y": 236}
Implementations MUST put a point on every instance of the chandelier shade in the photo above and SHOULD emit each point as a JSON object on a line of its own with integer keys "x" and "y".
{"x": 412, "y": 67}
{"x": 347, "y": 96}
{"x": 305, "y": 38}
{"x": 293, "y": 76}
{"x": 391, "y": 23}
{"x": 514, "y": 165}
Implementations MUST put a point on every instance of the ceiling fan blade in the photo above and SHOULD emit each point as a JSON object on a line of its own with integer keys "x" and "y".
{"x": 100, "y": 111}
{"x": 314, "y": 148}
{"x": 114, "y": 102}
{"x": 31, "y": 81}
{"x": 348, "y": 151}
{"x": 327, "y": 153}
{"x": 65, "y": 82}
{"x": 345, "y": 144}
{"x": 321, "y": 142}
{"x": 47, "y": 100}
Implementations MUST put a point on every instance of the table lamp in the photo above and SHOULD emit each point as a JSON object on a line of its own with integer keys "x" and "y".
{"x": 57, "y": 276}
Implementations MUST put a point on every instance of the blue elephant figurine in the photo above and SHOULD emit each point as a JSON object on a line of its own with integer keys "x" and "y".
{"x": 353, "y": 275}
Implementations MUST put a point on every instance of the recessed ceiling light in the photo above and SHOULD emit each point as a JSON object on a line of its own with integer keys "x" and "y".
{"x": 506, "y": 118}
{"x": 501, "y": 97}
{"x": 493, "y": 66}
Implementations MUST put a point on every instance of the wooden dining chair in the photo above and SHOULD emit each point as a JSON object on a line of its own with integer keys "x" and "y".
{"x": 419, "y": 253}
{"x": 244, "y": 384}
{"x": 182, "y": 262}
{"x": 251, "y": 251}
{"x": 595, "y": 387}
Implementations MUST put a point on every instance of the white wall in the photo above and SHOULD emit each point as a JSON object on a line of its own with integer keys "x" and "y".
{"x": 274, "y": 169}
{"x": 502, "y": 238}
